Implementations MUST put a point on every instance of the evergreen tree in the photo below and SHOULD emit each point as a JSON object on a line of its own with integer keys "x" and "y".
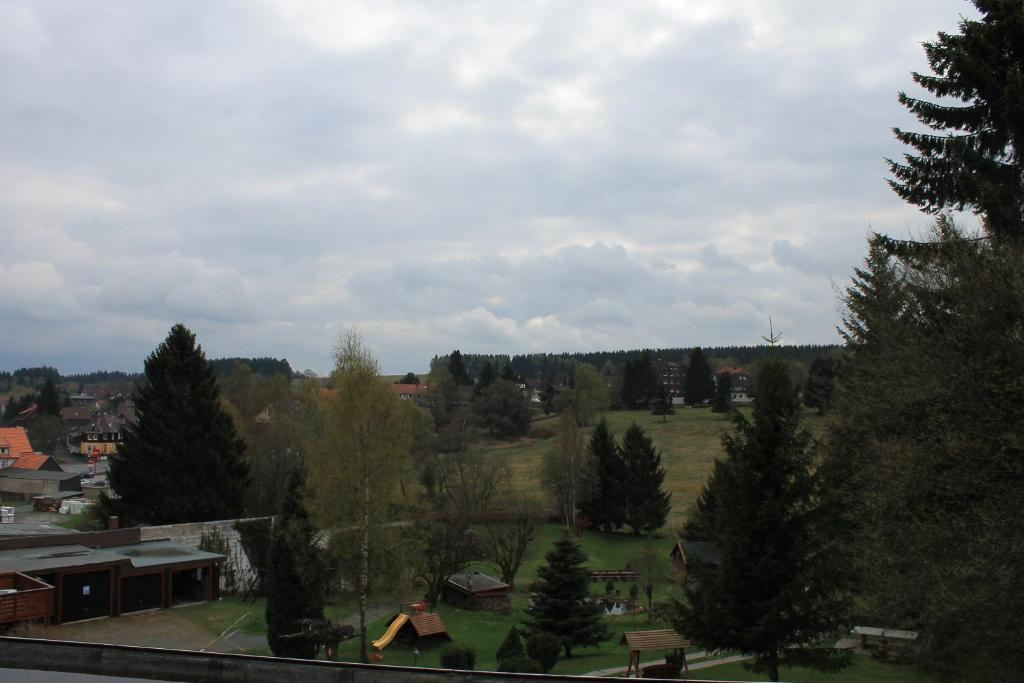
{"x": 507, "y": 374}
{"x": 409, "y": 378}
{"x": 182, "y": 461}
{"x": 487, "y": 378}
{"x": 975, "y": 159}
{"x": 295, "y": 579}
{"x": 457, "y": 368}
{"x": 561, "y": 604}
{"x": 663, "y": 404}
{"x": 606, "y": 507}
{"x": 723, "y": 393}
{"x": 776, "y": 587}
{"x": 48, "y": 402}
{"x": 511, "y": 647}
{"x": 699, "y": 383}
{"x": 820, "y": 381}
{"x": 646, "y": 505}
{"x": 640, "y": 382}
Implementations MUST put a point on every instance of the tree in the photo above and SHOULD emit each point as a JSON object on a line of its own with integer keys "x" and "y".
{"x": 588, "y": 395}
{"x": 699, "y": 383}
{"x": 511, "y": 647}
{"x": 646, "y": 505}
{"x": 776, "y": 587}
{"x": 923, "y": 454}
{"x": 182, "y": 461}
{"x": 504, "y": 409}
{"x": 358, "y": 460}
{"x": 566, "y": 470}
{"x": 606, "y": 507}
{"x": 409, "y": 378}
{"x": 508, "y": 540}
{"x": 46, "y": 432}
{"x": 561, "y": 604}
{"x": 486, "y": 379}
{"x": 48, "y": 402}
{"x": 663, "y": 404}
{"x": 723, "y": 393}
{"x": 295, "y": 580}
{"x": 457, "y": 368}
{"x": 640, "y": 382}
{"x": 818, "y": 393}
{"x": 975, "y": 157}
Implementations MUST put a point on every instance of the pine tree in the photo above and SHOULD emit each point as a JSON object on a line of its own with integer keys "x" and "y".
{"x": 182, "y": 461}
{"x": 457, "y": 367}
{"x": 723, "y": 393}
{"x": 646, "y": 505}
{"x": 487, "y": 378}
{"x": 776, "y": 587}
{"x": 295, "y": 579}
{"x": 606, "y": 507}
{"x": 820, "y": 381}
{"x": 975, "y": 159}
{"x": 699, "y": 383}
{"x": 561, "y": 604}
{"x": 663, "y": 404}
{"x": 48, "y": 402}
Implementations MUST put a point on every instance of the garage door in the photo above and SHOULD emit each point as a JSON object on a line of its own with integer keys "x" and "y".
{"x": 85, "y": 596}
{"x": 140, "y": 592}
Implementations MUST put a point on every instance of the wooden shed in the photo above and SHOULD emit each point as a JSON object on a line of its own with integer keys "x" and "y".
{"x": 473, "y": 590}
{"x": 661, "y": 639}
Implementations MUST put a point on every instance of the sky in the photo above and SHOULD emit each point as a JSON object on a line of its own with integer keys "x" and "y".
{"x": 497, "y": 177}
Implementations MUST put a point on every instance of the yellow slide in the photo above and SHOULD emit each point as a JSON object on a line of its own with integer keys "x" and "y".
{"x": 392, "y": 631}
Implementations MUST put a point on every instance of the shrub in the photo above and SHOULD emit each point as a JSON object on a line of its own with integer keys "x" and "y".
{"x": 609, "y": 587}
{"x": 520, "y": 664}
{"x": 512, "y": 646}
{"x": 544, "y": 648}
{"x": 455, "y": 657}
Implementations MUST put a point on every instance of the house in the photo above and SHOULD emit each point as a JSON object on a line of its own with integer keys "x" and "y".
{"x": 108, "y": 573}
{"x": 76, "y": 418}
{"x": 740, "y": 391}
{"x": 103, "y": 434}
{"x": 473, "y": 590}
{"x": 671, "y": 375}
{"x": 13, "y": 444}
{"x": 37, "y": 462}
{"x": 409, "y": 391}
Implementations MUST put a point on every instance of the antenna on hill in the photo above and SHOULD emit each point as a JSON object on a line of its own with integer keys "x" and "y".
{"x": 772, "y": 337}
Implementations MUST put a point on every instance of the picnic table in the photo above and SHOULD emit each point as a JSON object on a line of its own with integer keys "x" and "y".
{"x": 894, "y": 633}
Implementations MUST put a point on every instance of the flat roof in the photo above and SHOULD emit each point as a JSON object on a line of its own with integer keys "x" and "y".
{"x": 139, "y": 555}
{"x": 32, "y": 529}
{"x": 481, "y": 582}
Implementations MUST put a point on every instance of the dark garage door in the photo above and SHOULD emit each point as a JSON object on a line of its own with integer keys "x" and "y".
{"x": 85, "y": 596}
{"x": 140, "y": 592}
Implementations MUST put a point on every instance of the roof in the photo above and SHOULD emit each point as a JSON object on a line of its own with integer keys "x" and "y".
{"x": 17, "y": 438}
{"x": 662, "y": 639}
{"x": 35, "y": 560}
{"x": 47, "y": 475}
{"x": 408, "y": 388}
{"x": 30, "y": 461}
{"x": 428, "y": 625}
{"x": 105, "y": 423}
{"x": 76, "y": 413}
{"x": 32, "y": 529}
{"x": 481, "y": 582}
{"x": 701, "y": 551}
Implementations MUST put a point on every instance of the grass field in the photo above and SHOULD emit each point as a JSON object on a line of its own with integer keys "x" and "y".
{"x": 863, "y": 669}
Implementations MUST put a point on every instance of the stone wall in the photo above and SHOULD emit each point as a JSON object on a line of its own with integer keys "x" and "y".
{"x": 237, "y": 570}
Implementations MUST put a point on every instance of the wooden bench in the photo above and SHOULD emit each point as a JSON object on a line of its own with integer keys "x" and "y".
{"x": 615, "y": 575}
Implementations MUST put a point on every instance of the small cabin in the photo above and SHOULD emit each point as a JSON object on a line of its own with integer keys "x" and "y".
{"x": 476, "y": 591}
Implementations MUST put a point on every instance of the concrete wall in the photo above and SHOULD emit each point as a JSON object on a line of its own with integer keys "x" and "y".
{"x": 236, "y": 570}
{"x": 179, "y": 665}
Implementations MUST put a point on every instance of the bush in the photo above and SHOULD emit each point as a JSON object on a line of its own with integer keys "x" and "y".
{"x": 455, "y": 657}
{"x": 512, "y": 646}
{"x": 544, "y": 648}
{"x": 520, "y": 664}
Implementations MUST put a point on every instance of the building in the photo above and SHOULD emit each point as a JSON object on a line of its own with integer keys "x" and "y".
{"x": 686, "y": 552}
{"x": 24, "y": 485}
{"x": 671, "y": 375}
{"x": 13, "y": 443}
{"x": 741, "y": 386}
{"x": 409, "y": 391}
{"x": 108, "y": 573}
{"x": 103, "y": 435}
{"x": 473, "y": 590}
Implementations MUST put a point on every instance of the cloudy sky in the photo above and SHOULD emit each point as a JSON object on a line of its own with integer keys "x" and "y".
{"x": 489, "y": 176}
